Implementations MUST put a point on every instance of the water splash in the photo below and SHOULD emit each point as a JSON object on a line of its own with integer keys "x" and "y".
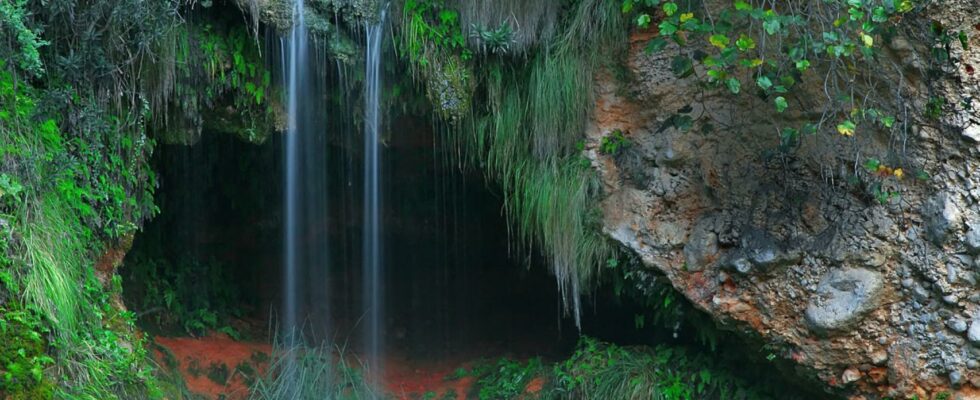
{"x": 373, "y": 248}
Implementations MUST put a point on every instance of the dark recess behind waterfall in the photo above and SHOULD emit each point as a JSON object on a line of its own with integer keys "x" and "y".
{"x": 454, "y": 280}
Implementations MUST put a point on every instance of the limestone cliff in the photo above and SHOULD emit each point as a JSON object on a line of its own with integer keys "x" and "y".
{"x": 876, "y": 298}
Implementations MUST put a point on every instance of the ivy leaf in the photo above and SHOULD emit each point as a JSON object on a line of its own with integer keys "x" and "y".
{"x": 643, "y": 20}
{"x": 667, "y": 28}
{"x": 846, "y": 128}
{"x": 867, "y": 40}
{"x": 872, "y": 164}
{"x": 905, "y": 6}
{"x": 879, "y": 14}
{"x": 745, "y": 43}
{"x": 720, "y": 41}
{"x": 733, "y": 85}
{"x": 764, "y": 82}
{"x": 755, "y": 62}
{"x": 670, "y": 8}
{"x": 686, "y": 17}
{"x": 802, "y": 65}
{"x": 627, "y": 6}
{"x": 771, "y": 25}
{"x": 781, "y": 104}
{"x": 888, "y": 121}
{"x": 741, "y": 5}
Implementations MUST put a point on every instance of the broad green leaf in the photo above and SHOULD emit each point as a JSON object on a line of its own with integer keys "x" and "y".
{"x": 745, "y": 43}
{"x": 643, "y": 20}
{"x": 781, "y": 104}
{"x": 802, "y": 65}
{"x": 733, "y": 85}
{"x": 670, "y": 8}
{"x": 764, "y": 82}
{"x": 667, "y": 28}
{"x": 867, "y": 40}
{"x": 888, "y": 121}
{"x": 771, "y": 25}
{"x": 720, "y": 41}
{"x": 846, "y": 128}
{"x": 741, "y": 5}
{"x": 879, "y": 14}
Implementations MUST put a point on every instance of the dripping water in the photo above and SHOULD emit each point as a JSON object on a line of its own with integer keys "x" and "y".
{"x": 373, "y": 249}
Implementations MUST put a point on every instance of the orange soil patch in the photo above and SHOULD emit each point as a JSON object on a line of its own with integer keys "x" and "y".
{"x": 407, "y": 379}
{"x": 197, "y": 355}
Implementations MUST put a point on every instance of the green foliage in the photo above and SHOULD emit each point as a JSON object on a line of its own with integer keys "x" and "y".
{"x": 507, "y": 378}
{"x": 778, "y": 47}
{"x": 607, "y": 371}
{"x": 208, "y": 70}
{"x": 523, "y": 133}
{"x": 188, "y": 295}
{"x": 75, "y": 178}
{"x": 494, "y": 40}
{"x": 298, "y": 371}
{"x": 614, "y": 142}
{"x": 218, "y": 373}
{"x": 14, "y": 21}
{"x": 434, "y": 44}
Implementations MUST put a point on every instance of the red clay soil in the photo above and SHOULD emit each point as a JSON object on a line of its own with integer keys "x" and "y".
{"x": 403, "y": 378}
{"x": 196, "y": 356}
{"x": 407, "y": 379}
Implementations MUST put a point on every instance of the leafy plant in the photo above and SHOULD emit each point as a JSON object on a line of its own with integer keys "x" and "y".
{"x": 614, "y": 142}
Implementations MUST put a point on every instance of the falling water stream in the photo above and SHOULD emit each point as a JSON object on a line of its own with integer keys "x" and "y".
{"x": 305, "y": 294}
{"x": 296, "y": 72}
{"x": 373, "y": 250}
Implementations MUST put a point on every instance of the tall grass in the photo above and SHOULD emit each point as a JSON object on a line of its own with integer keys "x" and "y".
{"x": 303, "y": 372}
{"x": 53, "y": 249}
{"x": 526, "y": 130}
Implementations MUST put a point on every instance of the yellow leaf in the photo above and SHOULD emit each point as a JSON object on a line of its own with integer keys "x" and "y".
{"x": 846, "y": 128}
{"x": 868, "y": 40}
{"x": 898, "y": 173}
{"x": 756, "y": 62}
{"x": 686, "y": 17}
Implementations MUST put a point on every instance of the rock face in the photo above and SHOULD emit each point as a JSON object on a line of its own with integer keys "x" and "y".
{"x": 874, "y": 298}
{"x": 841, "y": 300}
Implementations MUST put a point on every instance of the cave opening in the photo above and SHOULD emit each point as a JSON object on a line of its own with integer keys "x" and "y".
{"x": 455, "y": 283}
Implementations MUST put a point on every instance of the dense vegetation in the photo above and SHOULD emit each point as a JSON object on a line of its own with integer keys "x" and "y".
{"x": 83, "y": 85}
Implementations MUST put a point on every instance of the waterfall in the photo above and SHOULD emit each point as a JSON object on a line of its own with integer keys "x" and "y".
{"x": 373, "y": 250}
{"x": 305, "y": 247}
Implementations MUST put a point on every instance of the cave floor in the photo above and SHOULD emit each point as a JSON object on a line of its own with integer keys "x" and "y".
{"x": 218, "y": 367}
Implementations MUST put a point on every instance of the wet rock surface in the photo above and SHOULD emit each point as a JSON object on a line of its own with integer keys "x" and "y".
{"x": 874, "y": 298}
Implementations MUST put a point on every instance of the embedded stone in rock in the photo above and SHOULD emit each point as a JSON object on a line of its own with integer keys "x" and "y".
{"x": 972, "y": 239}
{"x": 972, "y": 132}
{"x": 762, "y": 252}
{"x": 843, "y": 297}
{"x": 702, "y": 246}
{"x": 974, "y": 333}
{"x": 942, "y": 215}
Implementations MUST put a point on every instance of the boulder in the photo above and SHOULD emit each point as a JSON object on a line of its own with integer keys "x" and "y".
{"x": 842, "y": 298}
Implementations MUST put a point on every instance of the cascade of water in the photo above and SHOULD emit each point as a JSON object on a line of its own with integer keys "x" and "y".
{"x": 373, "y": 267}
{"x": 305, "y": 247}
{"x": 295, "y": 61}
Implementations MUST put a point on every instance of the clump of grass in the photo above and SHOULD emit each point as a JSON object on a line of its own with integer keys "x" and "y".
{"x": 526, "y": 134}
{"x": 606, "y": 371}
{"x": 300, "y": 371}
